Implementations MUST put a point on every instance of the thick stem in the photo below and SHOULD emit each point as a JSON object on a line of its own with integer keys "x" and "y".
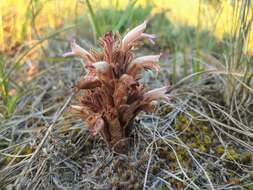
{"x": 119, "y": 143}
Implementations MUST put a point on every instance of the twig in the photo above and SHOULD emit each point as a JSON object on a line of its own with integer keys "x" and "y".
{"x": 146, "y": 173}
{"x": 58, "y": 114}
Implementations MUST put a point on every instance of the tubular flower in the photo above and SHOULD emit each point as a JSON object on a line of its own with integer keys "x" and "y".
{"x": 134, "y": 35}
{"x": 111, "y": 93}
{"x": 150, "y": 37}
{"x": 101, "y": 66}
{"x": 155, "y": 94}
{"x": 78, "y": 51}
{"x": 145, "y": 62}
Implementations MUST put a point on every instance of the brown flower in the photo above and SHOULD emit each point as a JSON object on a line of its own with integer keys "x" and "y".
{"x": 111, "y": 93}
{"x": 134, "y": 35}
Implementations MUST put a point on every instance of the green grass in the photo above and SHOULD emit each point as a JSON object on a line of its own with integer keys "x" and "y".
{"x": 113, "y": 19}
{"x": 6, "y": 85}
{"x": 236, "y": 58}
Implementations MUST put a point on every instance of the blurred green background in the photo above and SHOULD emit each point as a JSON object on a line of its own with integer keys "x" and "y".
{"x": 26, "y": 20}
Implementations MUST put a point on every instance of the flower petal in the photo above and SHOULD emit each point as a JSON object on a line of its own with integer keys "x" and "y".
{"x": 76, "y": 50}
{"x": 81, "y": 110}
{"x": 97, "y": 127}
{"x": 77, "y": 108}
{"x": 88, "y": 83}
{"x": 145, "y": 62}
{"x": 158, "y": 93}
{"x": 133, "y": 35}
{"x": 67, "y": 54}
{"x": 147, "y": 58}
{"x": 150, "y": 37}
{"x": 101, "y": 66}
{"x": 123, "y": 87}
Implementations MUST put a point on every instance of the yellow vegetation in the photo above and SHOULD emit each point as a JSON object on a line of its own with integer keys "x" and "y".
{"x": 15, "y": 16}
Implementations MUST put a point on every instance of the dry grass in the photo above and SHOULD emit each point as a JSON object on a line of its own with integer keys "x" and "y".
{"x": 47, "y": 148}
{"x": 194, "y": 142}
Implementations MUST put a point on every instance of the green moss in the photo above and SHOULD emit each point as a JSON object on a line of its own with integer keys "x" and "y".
{"x": 193, "y": 114}
{"x": 198, "y": 140}
{"x": 177, "y": 127}
{"x": 205, "y": 129}
{"x": 26, "y": 150}
{"x": 234, "y": 156}
{"x": 207, "y": 140}
{"x": 165, "y": 110}
{"x": 193, "y": 145}
{"x": 202, "y": 148}
{"x": 155, "y": 170}
{"x": 231, "y": 154}
{"x": 183, "y": 119}
{"x": 220, "y": 150}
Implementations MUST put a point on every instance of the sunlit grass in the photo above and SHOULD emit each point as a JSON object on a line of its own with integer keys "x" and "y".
{"x": 18, "y": 17}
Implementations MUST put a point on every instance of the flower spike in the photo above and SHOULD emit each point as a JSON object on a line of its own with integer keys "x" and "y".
{"x": 110, "y": 94}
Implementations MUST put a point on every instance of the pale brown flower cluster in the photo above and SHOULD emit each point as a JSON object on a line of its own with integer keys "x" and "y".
{"x": 112, "y": 95}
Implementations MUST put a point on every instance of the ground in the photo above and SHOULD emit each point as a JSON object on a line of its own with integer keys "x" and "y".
{"x": 189, "y": 142}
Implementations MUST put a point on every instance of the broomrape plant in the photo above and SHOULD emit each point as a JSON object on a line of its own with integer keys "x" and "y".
{"x": 111, "y": 93}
